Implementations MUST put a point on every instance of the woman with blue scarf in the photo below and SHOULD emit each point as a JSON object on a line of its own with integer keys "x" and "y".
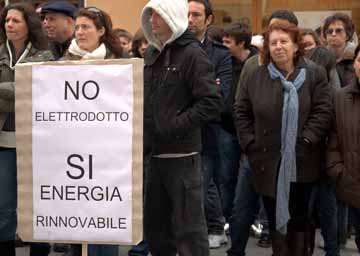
{"x": 282, "y": 114}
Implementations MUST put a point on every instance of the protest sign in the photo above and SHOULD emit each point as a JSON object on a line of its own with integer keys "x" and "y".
{"x": 79, "y": 149}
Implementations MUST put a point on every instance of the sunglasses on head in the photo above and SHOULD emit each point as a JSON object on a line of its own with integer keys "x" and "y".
{"x": 336, "y": 30}
{"x": 98, "y": 13}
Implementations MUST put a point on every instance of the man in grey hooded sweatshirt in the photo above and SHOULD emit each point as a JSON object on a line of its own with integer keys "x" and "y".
{"x": 180, "y": 95}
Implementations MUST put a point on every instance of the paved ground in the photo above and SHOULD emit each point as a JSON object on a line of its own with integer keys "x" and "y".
{"x": 253, "y": 250}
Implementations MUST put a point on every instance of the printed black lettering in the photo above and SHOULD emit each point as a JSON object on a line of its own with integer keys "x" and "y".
{"x": 85, "y": 85}
{"x": 40, "y": 219}
{"x": 43, "y": 192}
{"x": 74, "y": 93}
{"x": 75, "y": 166}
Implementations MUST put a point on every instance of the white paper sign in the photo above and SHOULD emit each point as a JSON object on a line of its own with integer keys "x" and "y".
{"x": 82, "y": 152}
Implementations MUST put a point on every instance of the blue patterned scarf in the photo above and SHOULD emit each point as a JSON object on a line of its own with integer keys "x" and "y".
{"x": 289, "y": 128}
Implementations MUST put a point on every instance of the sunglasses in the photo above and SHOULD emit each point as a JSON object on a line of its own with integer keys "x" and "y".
{"x": 330, "y": 31}
{"x": 98, "y": 13}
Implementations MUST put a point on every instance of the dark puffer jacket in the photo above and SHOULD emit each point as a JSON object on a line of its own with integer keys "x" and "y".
{"x": 180, "y": 96}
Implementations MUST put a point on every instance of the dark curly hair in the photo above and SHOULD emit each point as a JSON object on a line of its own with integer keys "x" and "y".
{"x": 345, "y": 19}
{"x": 102, "y": 19}
{"x": 288, "y": 28}
{"x": 35, "y": 35}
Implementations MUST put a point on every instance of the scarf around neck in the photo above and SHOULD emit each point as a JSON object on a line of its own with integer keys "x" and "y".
{"x": 98, "y": 53}
{"x": 289, "y": 128}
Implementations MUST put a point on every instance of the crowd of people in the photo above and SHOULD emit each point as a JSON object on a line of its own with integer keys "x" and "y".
{"x": 238, "y": 128}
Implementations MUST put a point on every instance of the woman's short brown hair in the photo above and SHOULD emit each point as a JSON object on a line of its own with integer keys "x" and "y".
{"x": 288, "y": 28}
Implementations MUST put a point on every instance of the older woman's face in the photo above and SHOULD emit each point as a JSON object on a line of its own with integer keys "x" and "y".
{"x": 86, "y": 34}
{"x": 357, "y": 66}
{"x": 15, "y": 26}
{"x": 282, "y": 48}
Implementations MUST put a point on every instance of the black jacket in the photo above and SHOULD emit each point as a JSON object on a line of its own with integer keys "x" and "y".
{"x": 180, "y": 96}
{"x": 227, "y": 117}
{"x": 220, "y": 57}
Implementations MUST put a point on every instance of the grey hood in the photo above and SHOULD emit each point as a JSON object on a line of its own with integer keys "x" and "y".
{"x": 175, "y": 14}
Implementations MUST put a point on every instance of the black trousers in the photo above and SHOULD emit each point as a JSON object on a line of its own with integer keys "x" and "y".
{"x": 39, "y": 249}
{"x": 174, "y": 217}
{"x": 299, "y": 203}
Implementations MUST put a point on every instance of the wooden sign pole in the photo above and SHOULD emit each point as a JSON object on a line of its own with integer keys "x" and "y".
{"x": 84, "y": 250}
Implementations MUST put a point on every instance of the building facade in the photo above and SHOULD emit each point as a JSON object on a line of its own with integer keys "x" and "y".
{"x": 126, "y": 13}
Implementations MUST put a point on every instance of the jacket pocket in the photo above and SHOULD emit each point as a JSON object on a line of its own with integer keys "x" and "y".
{"x": 172, "y": 76}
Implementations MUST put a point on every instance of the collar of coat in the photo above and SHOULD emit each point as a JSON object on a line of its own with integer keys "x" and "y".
{"x": 4, "y": 55}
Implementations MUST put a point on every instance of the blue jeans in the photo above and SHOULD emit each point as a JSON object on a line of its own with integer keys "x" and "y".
{"x": 103, "y": 250}
{"x": 246, "y": 207}
{"x": 327, "y": 208}
{"x": 211, "y": 198}
{"x": 8, "y": 192}
{"x": 229, "y": 151}
{"x": 141, "y": 249}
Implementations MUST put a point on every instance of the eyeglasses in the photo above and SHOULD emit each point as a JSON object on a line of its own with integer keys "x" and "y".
{"x": 330, "y": 31}
{"x": 98, "y": 12}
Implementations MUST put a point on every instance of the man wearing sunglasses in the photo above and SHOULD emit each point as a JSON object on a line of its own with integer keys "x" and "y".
{"x": 338, "y": 30}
